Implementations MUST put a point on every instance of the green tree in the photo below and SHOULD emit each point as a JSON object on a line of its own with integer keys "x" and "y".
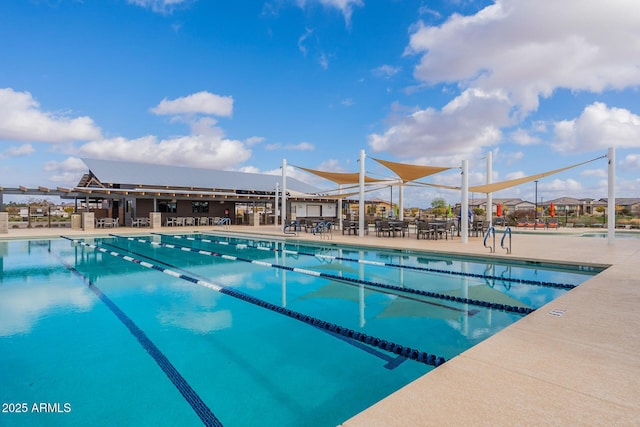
{"x": 439, "y": 206}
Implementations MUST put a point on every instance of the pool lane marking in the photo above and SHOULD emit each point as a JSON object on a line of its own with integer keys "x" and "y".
{"x": 382, "y": 264}
{"x": 392, "y": 362}
{"x": 463, "y": 300}
{"x": 408, "y": 352}
{"x": 197, "y": 404}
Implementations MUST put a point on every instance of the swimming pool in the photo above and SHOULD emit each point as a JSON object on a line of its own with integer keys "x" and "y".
{"x": 618, "y": 234}
{"x": 218, "y": 330}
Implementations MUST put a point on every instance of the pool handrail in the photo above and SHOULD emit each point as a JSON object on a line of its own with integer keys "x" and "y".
{"x": 504, "y": 234}
{"x": 224, "y": 222}
{"x": 490, "y": 230}
{"x": 292, "y": 225}
{"x": 323, "y": 228}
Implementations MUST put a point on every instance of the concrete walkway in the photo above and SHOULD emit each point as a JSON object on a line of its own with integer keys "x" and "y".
{"x": 581, "y": 368}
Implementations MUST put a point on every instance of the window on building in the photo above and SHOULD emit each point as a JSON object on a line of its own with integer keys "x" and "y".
{"x": 200, "y": 207}
{"x": 168, "y": 206}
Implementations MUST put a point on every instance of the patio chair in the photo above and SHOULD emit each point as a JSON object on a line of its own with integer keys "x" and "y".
{"x": 423, "y": 229}
{"x": 477, "y": 228}
{"x": 383, "y": 227}
{"x": 350, "y": 226}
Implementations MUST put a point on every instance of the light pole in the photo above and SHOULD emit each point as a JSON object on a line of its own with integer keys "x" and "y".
{"x": 535, "y": 214}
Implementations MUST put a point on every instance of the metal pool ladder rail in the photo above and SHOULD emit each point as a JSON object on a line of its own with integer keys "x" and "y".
{"x": 490, "y": 231}
{"x": 504, "y": 234}
{"x": 224, "y": 222}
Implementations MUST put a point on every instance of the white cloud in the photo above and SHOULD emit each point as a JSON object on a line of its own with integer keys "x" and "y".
{"x": 194, "y": 150}
{"x": 531, "y": 48}
{"x": 347, "y": 102}
{"x": 462, "y": 128}
{"x": 598, "y": 173}
{"x": 323, "y": 60}
{"x": 303, "y": 146}
{"x": 597, "y": 128}
{"x": 67, "y": 172}
{"x": 386, "y": 71}
{"x": 159, "y": 6}
{"x": 302, "y": 39}
{"x": 631, "y": 161}
{"x": 21, "y": 119}
{"x": 344, "y": 6}
{"x": 331, "y": 165}
{"x": 254, "y": 140}
{"x": 197, "y": 103}
{"x": 13, "y": 151}
{"x": 512, "y": 157}
{"x": 515, "y": 175}
{"x": 522, "y": 137}
{"x": 560, "y": 186}
{"x": 249, "y": 169}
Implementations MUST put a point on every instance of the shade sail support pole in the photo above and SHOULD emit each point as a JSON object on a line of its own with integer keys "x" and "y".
{"x": 611, "y": 197}
{"x": 340, "y": 207}
{"x": 275, "y": 211}
{"x": 401, "y": 202}
{"x": 283, "y": 209}
{"x": 464, "y": 202}
{"x": 361, "y": 197}
{"x": 489, "y": 213}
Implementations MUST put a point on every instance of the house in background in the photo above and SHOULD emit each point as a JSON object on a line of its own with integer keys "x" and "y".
{"x": 374, "y": 207}
{"x": 631, "y": 204}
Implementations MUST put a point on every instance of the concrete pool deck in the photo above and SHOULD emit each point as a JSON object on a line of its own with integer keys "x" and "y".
{"x": 574, "y": 361}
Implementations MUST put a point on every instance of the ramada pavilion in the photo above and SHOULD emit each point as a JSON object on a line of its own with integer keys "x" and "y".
{"x": 128, "y": 191}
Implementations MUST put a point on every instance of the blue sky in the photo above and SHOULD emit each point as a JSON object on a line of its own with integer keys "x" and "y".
{"x": 240, "y": 85}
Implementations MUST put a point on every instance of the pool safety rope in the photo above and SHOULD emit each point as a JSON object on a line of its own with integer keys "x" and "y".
{"x": 479, "y": 303}
{"x": 197, "y": 404}
{"x": 391, "y": 362}
{"x": 382, "y": 264}
{"x": 408, "y": 352}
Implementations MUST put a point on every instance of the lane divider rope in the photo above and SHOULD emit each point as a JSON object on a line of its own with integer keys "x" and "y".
{"x": 197, "y": 404}
{"x": 383, "y": 264}
{"x": 391, "y": 362}
{"x": 408, "y": 352}
{"x": 479, "y": 303}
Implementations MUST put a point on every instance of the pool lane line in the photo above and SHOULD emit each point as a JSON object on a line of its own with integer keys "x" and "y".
{"x": 408, "y": 352}
{"x": 383, "y": 264}
{"x": 479, "y": 303}
{"x": 392, "y": 362}
{"x": 190, "y": 395}
{"x": 465, "y": 312}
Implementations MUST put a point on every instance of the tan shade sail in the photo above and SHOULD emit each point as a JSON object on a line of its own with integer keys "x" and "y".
{"x": 339, "y": 196}
{"x": 426, "y": 184}
{"x": 496, "y": 186}
{"x": 408, "y": 172}
{"x": 348, "y": 195}
{"x": 340, "y": 178}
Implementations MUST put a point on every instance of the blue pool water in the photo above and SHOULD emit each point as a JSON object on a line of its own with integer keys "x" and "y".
{"x": 618, "y": 234}
{"x": 121, "y": 331}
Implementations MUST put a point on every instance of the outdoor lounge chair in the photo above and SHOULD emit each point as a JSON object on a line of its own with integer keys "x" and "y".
{"x": 552, "y": 223}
